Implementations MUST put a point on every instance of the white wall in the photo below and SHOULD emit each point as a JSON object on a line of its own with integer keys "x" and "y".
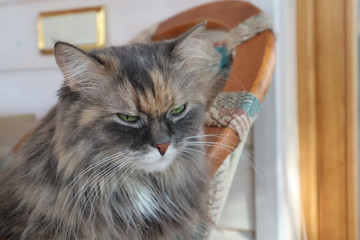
{"x": 28, "y": 79}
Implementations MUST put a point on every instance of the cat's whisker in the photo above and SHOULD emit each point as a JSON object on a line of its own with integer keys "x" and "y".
{"x": 244, "y": 157}
{"x": 65, "y": 207}
{"x": 223, "y": 145}
{"x": 94, "y": 178}
{"x": 232, "y": 78}
{"x": 102, "y": 162}
{"x": 91, "y": 166}
{"x": 248, "y": 161}
{"x": 217, "y": 136}
{"x": 235, "y": 80}
{"x": 205, "y": 135}
{"x": 212, "y": 156}
{"x": 94, "y": 190}
{"x": 107, "y": 174}
{"x": 77, "y": 179}
{"x": 125, "y": 174}
{"x": 201, "y": 152}
{"x": 223, "y": 149}
{"x": 247, "y": 158}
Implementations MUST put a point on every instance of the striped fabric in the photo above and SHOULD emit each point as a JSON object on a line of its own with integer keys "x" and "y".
{"x": 236, "y": 110}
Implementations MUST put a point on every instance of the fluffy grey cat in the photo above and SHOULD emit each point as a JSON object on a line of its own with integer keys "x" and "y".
{"x": 120, "y": 155}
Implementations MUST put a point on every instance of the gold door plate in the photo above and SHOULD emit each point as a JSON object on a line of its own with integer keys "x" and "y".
{"x": 84, "y": 27}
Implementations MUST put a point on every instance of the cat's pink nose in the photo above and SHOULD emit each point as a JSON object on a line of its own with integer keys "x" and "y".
{"x": 162, "y": 147}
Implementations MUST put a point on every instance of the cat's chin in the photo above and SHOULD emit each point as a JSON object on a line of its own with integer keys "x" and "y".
{"x": 153, "y": 161}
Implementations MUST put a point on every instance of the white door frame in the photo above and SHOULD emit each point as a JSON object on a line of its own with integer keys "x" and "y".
{"x": 277, "y": 187}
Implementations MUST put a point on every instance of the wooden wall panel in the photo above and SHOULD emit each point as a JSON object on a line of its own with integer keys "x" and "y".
{"x": 327, "y": 117}
{"x": 331, "y": 118}
{"x": 351, "y": 88}
{"x": 307, "y": 115}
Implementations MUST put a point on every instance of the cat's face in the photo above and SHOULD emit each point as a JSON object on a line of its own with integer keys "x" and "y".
{"x": 142, "y": 104}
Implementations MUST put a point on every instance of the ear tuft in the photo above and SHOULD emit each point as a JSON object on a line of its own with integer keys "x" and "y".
{"x": 191, "y": 43}
{"x": 195, "y": 52}
{"x": 79, "y": 69}
{"x": 195, "y": 32}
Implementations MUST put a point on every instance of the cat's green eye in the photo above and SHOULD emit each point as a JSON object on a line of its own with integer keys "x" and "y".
{"x": 128, "y": 118}
{"x": 178, "y": 110}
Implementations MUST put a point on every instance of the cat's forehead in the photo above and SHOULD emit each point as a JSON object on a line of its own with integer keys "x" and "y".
{"x": 147, "y": 81}
{"x": 154, "y": 101}
{"x": 135, "y": 64}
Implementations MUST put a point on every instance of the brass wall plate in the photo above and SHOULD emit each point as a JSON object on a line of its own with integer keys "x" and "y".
{"x": 83, "y": 27}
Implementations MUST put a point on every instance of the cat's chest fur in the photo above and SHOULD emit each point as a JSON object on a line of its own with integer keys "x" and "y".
{"x": 145, "y": 202}
{"x": 160, "y": 211}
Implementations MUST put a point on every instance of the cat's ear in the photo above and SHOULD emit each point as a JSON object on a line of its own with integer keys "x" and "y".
{"x": 190, "y": 42}
{"x": 81, "y": 71}
{"x": 195, "y": 53}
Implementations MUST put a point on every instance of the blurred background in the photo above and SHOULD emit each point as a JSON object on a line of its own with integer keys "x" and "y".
{"x": 301, "y": 182}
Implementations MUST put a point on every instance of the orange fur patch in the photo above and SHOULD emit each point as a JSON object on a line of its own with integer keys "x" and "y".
{"x": 111, "y": 63}
{"x": 164, "y": 99}
{"x": 89, "y": 115}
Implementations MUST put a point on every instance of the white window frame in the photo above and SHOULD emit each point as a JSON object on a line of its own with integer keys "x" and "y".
{"x": 277, "y": 188}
